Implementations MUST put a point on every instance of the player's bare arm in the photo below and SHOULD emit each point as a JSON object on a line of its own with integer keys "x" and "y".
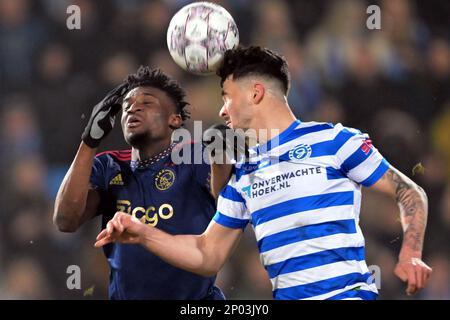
{"x": 220, "y": 174}
{"x": 412, "y": 201}
{"x": 202, "y": 254}
{"x": 76, "y": 202}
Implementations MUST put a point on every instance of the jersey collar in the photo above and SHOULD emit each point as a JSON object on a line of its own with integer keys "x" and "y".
{"x": 275, "y": 141}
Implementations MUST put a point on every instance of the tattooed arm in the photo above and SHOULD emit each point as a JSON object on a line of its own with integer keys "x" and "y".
{"x": 413, "y": 205}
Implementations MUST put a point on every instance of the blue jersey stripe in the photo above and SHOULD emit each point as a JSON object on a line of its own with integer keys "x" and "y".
{"x": 302, "y": 204}
{"x": 355, "y": 293}
{"x": 355, "y": 159}
{"x": 249, "y": 168}
{"x": 280, "y": 139}
{"x": 333, "y": 173}
{"x": 231, "y": 193}
{"x": 303, "y": 131}
{"x": 315, "y": 259}
{"x": 320, "y": 287}
{"x": 377, "y": 174}
{"x": 230, "y": 222}
{"x": 305, "y": 233}
{"x": 287, "y": 136}
{"x": 330, "y": 147}
{"x": 325, "y": 148}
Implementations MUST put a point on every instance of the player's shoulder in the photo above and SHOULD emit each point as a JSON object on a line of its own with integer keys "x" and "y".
{"x": 328, "y": 128}
{"x": 325, "y": 126}
{"x": 114, "y": 156}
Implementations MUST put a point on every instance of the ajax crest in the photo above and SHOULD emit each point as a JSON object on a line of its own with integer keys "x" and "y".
{"x": 164, "y": 179}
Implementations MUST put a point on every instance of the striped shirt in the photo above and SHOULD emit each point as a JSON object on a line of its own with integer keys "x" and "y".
{"x": 302, "y": 194}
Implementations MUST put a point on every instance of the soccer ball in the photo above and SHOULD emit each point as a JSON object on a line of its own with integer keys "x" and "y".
{"x": 198, "y": 36}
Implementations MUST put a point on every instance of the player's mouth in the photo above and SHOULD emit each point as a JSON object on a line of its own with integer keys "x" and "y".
{"x": 228, "y": 123}
{"x": 133, "y": 122}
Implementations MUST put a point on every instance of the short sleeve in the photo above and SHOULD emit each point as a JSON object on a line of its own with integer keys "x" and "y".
{"x": 98, "y": 175}
{"x": 359, "y": 160}
{"x": 231, "y": 209}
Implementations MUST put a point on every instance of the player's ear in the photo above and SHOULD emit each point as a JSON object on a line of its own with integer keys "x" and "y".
{"x": 258, "y": 93}
{"x": 175, "y": 121}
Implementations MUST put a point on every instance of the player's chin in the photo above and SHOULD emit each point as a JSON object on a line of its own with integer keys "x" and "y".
{"x": 135, "y": 137}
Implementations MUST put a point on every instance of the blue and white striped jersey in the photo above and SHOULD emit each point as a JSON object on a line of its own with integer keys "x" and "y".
{"x": 302, "y": 196}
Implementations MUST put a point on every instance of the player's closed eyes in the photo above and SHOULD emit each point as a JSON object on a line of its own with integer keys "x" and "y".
{"x": 126, "y": 107}
{"x": 145, "y": 103}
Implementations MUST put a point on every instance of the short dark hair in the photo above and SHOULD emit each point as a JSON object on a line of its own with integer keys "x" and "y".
{"x": 145, "y": 76}
{"x": 254, "y": 60}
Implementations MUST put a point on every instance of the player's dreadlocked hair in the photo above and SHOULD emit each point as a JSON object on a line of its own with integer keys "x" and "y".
{"x": 241, "y": 62}
{"x": 145, "y": 76}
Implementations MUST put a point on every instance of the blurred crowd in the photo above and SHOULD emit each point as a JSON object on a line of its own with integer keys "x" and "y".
{"x": 393, "y": 83}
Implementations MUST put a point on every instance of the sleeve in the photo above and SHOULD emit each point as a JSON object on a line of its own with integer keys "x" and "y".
{"x": 359, "y": 160}
{"x": 98, "y": 182}
{"x": 98, "y": 175}
{"x": 231, "y": 209}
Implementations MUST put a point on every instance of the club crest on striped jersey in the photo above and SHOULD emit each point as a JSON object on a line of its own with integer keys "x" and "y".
{"x": 300, "y": 152}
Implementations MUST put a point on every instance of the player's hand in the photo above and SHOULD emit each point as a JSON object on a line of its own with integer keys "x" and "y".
{"x": 414, "y": 272}
{"x": 122, "y": 228}
{"x": 224, "y": 143}
{"x": 103, "y": 116}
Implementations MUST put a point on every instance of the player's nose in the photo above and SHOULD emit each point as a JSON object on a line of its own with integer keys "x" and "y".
{"x": 134, "y": 107}
{"x": 223, "y": 112}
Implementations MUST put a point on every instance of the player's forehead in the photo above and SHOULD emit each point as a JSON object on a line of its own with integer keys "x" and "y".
{"x": 145, "y": 91}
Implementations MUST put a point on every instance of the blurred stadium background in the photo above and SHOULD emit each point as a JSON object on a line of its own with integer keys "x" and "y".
{"x": 393, "y": 83}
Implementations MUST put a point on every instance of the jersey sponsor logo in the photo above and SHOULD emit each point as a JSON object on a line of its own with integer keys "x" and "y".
{"x": 278, "y": 182}
{"x": 164, "y": 179}
{"x": 117, "y": 180}
{"x": 300, "y": 152}
{"x": 150, "y": 215}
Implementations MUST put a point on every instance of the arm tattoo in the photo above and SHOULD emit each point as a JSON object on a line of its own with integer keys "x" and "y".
{"x": 412, "y": 201}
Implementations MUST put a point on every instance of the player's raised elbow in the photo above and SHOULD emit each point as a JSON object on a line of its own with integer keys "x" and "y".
{"x": 64, "y": 221}
{"x": 63, "y": 224}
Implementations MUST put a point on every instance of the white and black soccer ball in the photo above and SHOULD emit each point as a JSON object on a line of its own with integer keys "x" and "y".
{"x": 198, "y": 36}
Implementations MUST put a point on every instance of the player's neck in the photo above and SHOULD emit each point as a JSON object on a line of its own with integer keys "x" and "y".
{"x": 150, "y": 150}
{"x": 267, "y": 126}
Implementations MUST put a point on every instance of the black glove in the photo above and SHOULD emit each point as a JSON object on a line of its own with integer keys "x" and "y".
{"x": 220, "y": 140}
{"x": 103, "y": 116}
